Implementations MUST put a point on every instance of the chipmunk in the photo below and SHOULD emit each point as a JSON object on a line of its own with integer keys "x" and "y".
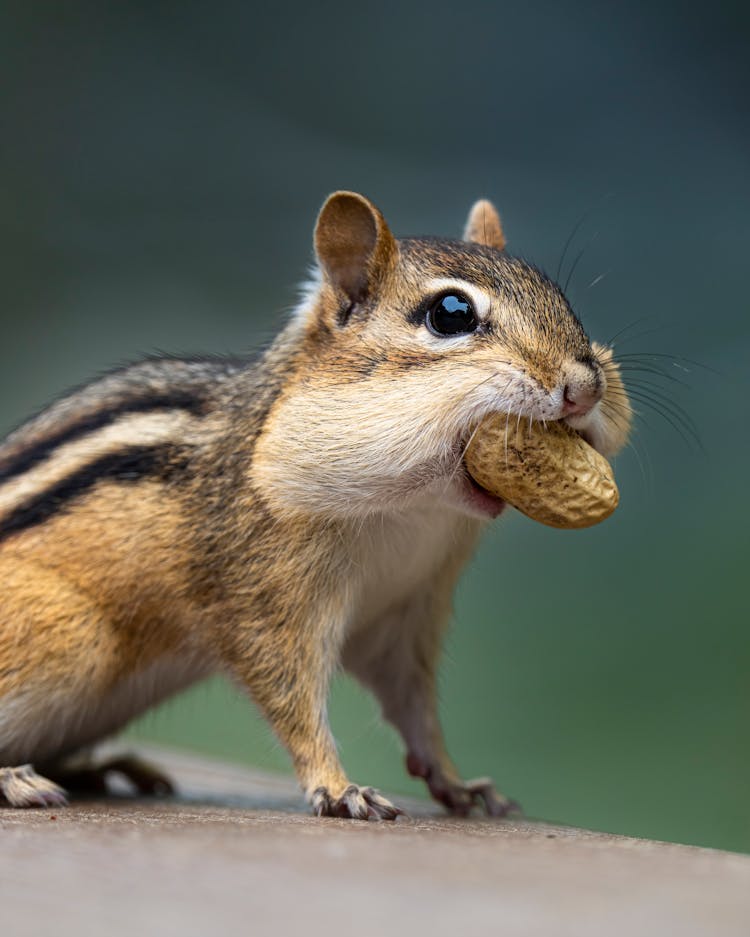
{"x": 274, "y": 519}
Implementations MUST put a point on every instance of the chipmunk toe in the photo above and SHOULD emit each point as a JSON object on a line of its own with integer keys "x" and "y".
{"x": 21, "y": 786}
{"x": 355, "y": 803}
{"x": 460, "y": 798}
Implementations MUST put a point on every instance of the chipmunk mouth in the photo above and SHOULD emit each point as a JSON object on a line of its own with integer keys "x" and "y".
{"x": 582, "y": 427}
{"x": 479, "y": 499}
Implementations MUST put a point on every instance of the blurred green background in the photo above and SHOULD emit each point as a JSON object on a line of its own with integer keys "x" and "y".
{"x": 161, "y": 165}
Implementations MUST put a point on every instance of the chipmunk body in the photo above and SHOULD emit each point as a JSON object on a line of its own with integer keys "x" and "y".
{"x": 272, "y": 519}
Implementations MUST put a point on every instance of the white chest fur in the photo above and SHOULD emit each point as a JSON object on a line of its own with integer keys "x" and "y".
{"x": 398, "y": 554}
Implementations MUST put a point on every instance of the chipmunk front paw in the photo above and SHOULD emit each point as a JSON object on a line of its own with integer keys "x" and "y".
{"x": 356, "y": 803}
{"x": 21, "y": 786}
{"x": 460, "y": 797}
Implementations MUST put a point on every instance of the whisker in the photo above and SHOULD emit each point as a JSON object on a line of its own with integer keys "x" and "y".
{"x": 648, "y": 478}
{"x": 678, "y": 411}
{"x": 645, "y": 384}
{"x": 627, "y": 327}
{"x": 650, "y": 390}
{"x": 675, "y": 419}
{"x": 598, "y": 279}
{"x": 672, "y": 358}
{"x": 657, "y": 328}
{"x": 459, "y": 461}
{"x": 580, "y": 254}
{"x": 576, "y": 229}
{"x": 643, "y": 369}
{"x": 608, "y": 407}
{"x": 572, "y": 234}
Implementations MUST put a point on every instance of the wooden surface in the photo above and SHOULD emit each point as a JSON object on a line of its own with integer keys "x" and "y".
{"x": 236, "y": 853}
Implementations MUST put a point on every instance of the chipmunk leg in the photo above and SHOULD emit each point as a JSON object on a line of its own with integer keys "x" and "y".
{"x": 88, "y": 777}
{"x": 398, "y": 663}
{"x": 287, "y": 674}
{"x": 147, "y": 779}
{"x": 62, "y": 661}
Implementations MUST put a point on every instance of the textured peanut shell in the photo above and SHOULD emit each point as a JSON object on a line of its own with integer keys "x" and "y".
{"x": 548, "y": 473}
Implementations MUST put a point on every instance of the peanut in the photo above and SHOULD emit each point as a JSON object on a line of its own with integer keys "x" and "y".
{"x": 547, "y": 472}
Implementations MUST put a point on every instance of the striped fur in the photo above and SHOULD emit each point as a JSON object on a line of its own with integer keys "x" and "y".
{"x": 30, "y": 456}
{"x": 131, "y": 465}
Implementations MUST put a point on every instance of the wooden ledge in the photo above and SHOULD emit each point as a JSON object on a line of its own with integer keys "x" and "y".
{"x": 236, "y": 853}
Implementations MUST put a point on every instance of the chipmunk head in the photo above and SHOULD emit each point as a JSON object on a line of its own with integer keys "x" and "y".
{"x": 406, "y": 345}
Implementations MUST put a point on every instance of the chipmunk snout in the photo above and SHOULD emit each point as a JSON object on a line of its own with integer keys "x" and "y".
{"x": 582, "y": 390}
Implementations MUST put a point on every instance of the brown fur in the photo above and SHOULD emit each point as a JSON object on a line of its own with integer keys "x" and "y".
{"x": 279, "y": 517}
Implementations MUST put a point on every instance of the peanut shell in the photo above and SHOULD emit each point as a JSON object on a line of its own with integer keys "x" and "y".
{"x": 547, "y": 472}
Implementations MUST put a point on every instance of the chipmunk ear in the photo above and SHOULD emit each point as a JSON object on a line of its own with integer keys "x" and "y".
{"x": 354, "y": 245}
{"x": 483, "y": 226}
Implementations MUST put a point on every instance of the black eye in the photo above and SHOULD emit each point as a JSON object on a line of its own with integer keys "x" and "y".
{"x": 451, "y": 314}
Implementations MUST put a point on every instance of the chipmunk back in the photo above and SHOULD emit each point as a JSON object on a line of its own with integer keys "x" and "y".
{"x": 274, "y": 518}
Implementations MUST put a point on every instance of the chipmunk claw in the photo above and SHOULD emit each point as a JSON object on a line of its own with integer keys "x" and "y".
{"x": 21, "y": 786}
{"x": 482, "y": 792}
{"x": 356, "y": 803}
{"x": 460, "y": 797}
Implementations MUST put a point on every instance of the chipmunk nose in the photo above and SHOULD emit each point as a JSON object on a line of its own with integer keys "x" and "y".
{"x": 580, "y": 396}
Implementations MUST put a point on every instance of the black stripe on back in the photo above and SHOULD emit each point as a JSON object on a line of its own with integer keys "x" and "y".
{"x": 178, "y": 400}
{"x": 126, "y": 466}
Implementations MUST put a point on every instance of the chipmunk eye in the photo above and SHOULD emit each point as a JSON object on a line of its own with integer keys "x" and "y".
{"x": 451, "y": 314}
